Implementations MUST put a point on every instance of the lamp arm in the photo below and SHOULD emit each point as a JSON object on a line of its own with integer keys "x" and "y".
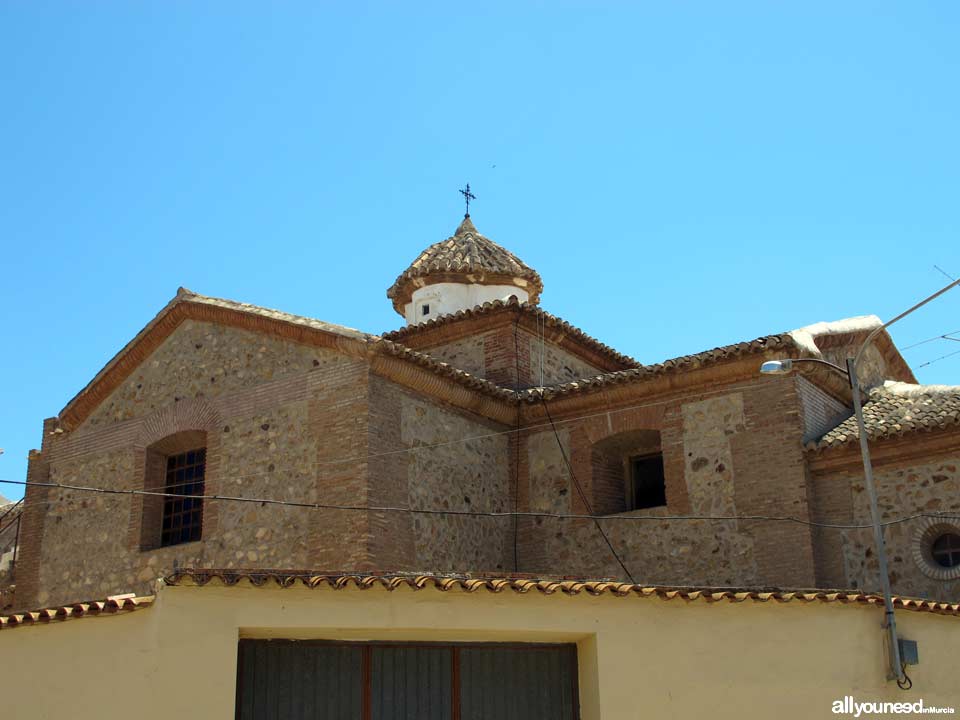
{"x": 821, "y": 362}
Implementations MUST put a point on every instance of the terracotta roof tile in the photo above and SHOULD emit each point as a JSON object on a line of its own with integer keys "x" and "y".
{"x": 680, "y": 364}
{"x": 895, "y": 409}
{"x": 113, "y": 605}
{"x": 120, "y": 604}
{"x": 543, "y": 586}
{"x": 491, "y": 308}
{"x": 467, "y": 252}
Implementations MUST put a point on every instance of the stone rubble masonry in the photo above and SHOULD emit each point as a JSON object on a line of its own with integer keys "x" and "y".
{"x": 285, "y": 420}
{"x": 428, "y": 456}
{"x": 493, "y": 355}
{"x": 717, "y": 456}
{"x": 273, "y": 412}
{"x": 902, "y": 490}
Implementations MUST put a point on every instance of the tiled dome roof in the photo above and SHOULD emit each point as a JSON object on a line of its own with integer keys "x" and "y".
{"x": 467, "y": 257}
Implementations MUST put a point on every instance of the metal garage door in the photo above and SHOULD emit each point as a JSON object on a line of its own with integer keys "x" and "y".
{"x": 294, "y": 680}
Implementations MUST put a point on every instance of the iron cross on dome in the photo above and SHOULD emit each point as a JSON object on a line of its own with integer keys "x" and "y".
{"x": 468, "y": 196}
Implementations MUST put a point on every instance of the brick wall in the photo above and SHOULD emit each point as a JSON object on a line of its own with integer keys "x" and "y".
{"x": 821, "y": 412}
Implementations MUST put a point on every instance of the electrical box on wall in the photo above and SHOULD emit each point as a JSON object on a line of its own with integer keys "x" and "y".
{"x": 909, "y": 654}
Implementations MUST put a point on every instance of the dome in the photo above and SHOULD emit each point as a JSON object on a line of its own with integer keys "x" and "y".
{"x": 467, "y": 259}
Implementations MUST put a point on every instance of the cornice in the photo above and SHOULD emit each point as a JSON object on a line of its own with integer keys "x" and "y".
{"x": 907, "y": 449}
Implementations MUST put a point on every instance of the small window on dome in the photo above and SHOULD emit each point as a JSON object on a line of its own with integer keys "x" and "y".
{"x": 425, "y": 309}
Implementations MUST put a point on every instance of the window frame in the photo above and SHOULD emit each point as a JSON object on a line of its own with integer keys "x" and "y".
{"x": 178, "y": 508}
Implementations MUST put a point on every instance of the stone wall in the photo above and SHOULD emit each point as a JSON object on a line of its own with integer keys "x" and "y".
{"x": 725, "y": 455}
{"x": 466, "y": 354}
{"x": 439, "y": 459}
{"x": 203, "y": 360}
{"x": 932, "y": 487}
{"x": 654, "y": 551}
{"x": 559, "y": 366}
{"x": 291, "y": 422}
{"x": 278, "y": 419}
{"x": 494, "y": 355}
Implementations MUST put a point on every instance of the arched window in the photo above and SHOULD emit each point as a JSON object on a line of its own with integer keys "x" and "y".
{"x": 628, "y": 472}
{"x": 176, "y": 466}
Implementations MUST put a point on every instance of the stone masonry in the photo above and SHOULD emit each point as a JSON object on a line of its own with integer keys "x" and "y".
{"x": 410, "y": 451}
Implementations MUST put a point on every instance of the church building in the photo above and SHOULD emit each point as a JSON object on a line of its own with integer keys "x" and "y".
{"x": 485, "y": 438}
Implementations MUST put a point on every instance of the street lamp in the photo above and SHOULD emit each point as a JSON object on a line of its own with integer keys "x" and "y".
{"x": 783, "y": 367}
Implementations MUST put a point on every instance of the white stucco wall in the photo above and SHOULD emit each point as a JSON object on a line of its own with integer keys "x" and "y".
{"x": 447, "y": 298}
{"x": 639, "y": 657}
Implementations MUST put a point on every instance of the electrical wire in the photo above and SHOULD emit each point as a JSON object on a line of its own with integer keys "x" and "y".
{"x": 942, "y": 357}
{"x": 583, "y": 497}
{"x": 487, "y": 514}
{"x": 945, "y": 336}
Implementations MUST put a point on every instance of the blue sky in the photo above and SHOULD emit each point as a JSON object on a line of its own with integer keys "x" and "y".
{"x": 682, "y": 175}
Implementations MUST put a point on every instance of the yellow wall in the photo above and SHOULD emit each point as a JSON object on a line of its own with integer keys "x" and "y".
{"x": 639, "y": 657}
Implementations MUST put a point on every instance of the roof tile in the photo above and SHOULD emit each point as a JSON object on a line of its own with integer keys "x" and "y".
{"x": 467, "y": 252}
{"x": 89, "y": 608}
{"x": 895, "y": 409}
{"x": 544, "y": 586}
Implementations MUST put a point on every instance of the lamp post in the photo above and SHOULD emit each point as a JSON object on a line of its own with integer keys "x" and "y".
{"x": 782, "y": 367}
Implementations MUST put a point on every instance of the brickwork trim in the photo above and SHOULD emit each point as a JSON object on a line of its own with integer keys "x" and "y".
{"x": 143, "y": 530}
{"x": 924, "y": 535}
{"x": 187, "y": 414}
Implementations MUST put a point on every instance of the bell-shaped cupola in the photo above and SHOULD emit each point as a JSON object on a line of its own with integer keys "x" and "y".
{"x": 460, "y": 273}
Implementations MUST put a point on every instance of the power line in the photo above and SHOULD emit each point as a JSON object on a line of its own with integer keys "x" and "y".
{"x": 945, "y": 336}
{"x": 482, "y": 513}
{"x": 942, "y": 357}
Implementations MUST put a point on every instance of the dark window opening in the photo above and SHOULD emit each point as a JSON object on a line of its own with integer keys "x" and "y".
{"x": 946, "y": 550}
{"x": 425, "y": 310}
{"x": 647, "y": 484}
{"x": 183, "y": 516}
